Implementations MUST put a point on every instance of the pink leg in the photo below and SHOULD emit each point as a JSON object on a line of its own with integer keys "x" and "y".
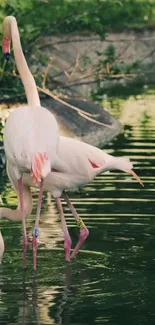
{"x": 84, "y": 232}
{"x": 25, "y": 240}
{"x": 36, "y": 228}
{"x": 67, "y": 242}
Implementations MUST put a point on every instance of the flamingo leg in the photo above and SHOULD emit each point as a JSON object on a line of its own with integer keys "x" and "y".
{"x": 84, "y": 232}
{"x": 36, "y": 228}
{"x": 67, "y": 241}
{"x": 25, "y": 240}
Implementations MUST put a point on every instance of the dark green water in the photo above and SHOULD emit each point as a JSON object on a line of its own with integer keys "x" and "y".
{"x": 112, "y": 280}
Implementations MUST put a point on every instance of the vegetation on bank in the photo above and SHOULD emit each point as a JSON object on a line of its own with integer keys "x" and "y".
{"x": 37, "y": 18}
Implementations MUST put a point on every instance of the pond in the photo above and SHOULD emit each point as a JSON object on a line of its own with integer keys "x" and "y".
{"x": 112, "y": 279}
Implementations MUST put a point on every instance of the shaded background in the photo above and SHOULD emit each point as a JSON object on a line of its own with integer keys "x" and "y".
{"x": 102, "y": 51}
{"x": 82, "y": 47}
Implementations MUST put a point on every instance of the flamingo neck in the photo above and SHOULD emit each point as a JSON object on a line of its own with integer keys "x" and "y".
{"x": 15, "y": 215}
{"x": 10, "y": 214}
{"x": 1, "y": 247}
{"x": 25, "y": 74}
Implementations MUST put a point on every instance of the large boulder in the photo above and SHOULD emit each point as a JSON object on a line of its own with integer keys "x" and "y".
{"x": 77, "y": 126}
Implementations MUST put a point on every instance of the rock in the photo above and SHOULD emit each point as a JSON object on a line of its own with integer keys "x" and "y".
{"x": 75, "y": 57}
{"x": 80, "y": 127}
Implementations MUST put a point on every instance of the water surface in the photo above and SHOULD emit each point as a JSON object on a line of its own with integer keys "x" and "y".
{"x": 112, "y": 280}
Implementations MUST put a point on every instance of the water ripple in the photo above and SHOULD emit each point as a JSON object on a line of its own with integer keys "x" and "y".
{"x": 112, "y": 278}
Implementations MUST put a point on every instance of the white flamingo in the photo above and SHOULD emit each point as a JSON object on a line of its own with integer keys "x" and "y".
{"x": 82, "y": 163}
{"x": 31, "y": 132}
{"x": 1, "y": 247}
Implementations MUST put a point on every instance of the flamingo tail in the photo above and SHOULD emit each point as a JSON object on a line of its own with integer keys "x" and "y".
{"x": 40, "y": 167}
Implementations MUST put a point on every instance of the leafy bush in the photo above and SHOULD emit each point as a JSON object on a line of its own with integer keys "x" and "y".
{"x": 37, "y": 18}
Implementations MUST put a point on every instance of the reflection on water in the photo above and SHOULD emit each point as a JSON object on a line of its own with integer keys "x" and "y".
{"x": 112, "y": 279}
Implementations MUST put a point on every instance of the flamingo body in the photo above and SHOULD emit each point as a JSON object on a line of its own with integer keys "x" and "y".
{"x": 83, "y": 162}
{"x": 1, "y": 247}
{"x": 28, "y": 132}
{"x": 31, "y": 133}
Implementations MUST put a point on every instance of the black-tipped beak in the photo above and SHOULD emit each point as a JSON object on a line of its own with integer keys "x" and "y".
{"x": 7, "y": 56}
{"x": 131, "y": 172}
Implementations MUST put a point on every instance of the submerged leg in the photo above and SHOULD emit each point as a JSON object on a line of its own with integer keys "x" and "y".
{"x": 84, "y": 232}
{"x": 25, "y": 240}
{"x": 67, "y": 241}
{"x": 36, "y": 228}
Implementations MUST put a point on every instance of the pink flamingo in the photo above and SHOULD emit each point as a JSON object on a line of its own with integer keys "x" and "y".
{"x": 1, "y": 247}
{"x": 30, "y": 133}
{"x": 81, "y": 163}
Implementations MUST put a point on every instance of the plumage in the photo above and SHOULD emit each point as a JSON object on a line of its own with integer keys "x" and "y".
{"x": 31, "y": 132}
{"x": 80, "y": 160}
{"x": 24, "y": 139}
{"x": 1, "y": 247}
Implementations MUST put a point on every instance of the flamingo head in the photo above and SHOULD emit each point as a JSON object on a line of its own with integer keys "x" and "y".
{"x": 6, "y": 48}
{"x": 6, "y": 38}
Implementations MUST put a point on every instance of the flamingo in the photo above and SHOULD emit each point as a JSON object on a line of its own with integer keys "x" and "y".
{"x": 1, "y": 247}
{"x": 31, "y": 132}
{"x": 84, "y": 162}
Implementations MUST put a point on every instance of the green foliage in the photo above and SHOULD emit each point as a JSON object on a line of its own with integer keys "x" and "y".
{"x": 37, "y": 18}
{"x": 110, "y": 54}
{"x": 110, "y": 68}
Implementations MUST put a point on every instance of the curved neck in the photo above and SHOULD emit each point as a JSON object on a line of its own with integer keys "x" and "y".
{"x": 26, "y": 76}
{"x": 10, "y": 214}
{"x": 15, "y": 215}
{"x": 1, "y": 247}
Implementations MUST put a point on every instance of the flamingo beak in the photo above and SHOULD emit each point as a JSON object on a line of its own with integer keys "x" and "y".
{"x": 131, "y": 172}
{"x": 6, "y": 48}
